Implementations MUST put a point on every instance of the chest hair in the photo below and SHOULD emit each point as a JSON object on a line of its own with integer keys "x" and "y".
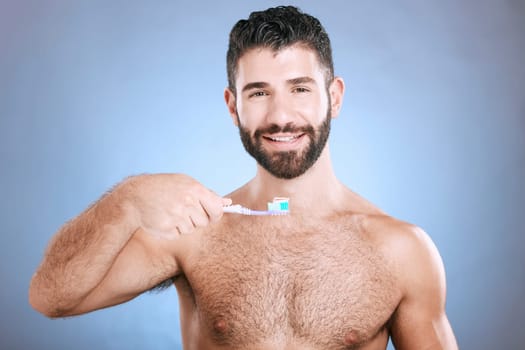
{"x": 259, "y": 280}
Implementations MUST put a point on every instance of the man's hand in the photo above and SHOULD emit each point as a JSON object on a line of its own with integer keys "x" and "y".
{"x": 103, "y": 257}
{"x": 168, "y": 205}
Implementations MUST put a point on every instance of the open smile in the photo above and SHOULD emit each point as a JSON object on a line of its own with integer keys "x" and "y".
{"x": 283, "y": 142}
{"x": 283, "y": 138}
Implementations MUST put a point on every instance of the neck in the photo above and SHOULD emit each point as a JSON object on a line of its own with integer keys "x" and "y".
{"x": 317, "y": 191}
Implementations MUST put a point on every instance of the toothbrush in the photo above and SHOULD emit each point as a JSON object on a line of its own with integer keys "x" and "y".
{"x": 279, "y": 206}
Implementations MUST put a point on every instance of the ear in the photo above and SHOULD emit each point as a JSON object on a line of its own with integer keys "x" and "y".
{"x": 336, "y": 90}
{"x": 229, "y": 97}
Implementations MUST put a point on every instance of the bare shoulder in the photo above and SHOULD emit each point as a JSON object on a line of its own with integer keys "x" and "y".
{"x": 414, "y": 257}
{"x": 400, "y": 236}
{"x": 420, "y": 320}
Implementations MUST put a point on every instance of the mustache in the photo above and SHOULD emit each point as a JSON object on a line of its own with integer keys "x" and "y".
{"x": 289, "y": 127}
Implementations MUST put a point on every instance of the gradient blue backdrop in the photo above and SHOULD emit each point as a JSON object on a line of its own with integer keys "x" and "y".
{"x": 432, "y": 130}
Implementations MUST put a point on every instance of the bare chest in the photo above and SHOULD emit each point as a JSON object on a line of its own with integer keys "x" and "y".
{"x": 320, "y": 285}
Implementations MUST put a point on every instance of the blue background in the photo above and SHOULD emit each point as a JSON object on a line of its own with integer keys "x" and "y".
{"x": 432, "y": 131}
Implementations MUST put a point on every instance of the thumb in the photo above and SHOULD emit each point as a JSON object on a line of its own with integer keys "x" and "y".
{"x": 226, "y": 201}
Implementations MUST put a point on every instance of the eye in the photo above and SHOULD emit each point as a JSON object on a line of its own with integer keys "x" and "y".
{"x": 300, "y": 89}
{"x": 258, "y": 94}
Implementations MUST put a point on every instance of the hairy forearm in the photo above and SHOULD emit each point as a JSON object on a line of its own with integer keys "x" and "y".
{"x": 81, "y": 253}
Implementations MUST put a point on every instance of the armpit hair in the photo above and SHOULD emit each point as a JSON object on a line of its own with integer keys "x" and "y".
{"x": 162, "y": 286}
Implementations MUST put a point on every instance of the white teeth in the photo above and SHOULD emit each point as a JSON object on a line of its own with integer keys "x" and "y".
{"x": 283, "y": 138}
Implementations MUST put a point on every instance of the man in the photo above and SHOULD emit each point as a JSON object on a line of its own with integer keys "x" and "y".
{"x": 337, "y": 273}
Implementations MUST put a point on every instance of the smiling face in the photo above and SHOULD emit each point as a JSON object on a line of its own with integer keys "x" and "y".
{"x": 290, "y": 161}
{"x": 283, "y": 108}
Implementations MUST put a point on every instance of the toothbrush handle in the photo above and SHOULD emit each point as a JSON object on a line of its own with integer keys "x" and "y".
{"x": 235, "y": 208}
{"x": 238, "y": 209}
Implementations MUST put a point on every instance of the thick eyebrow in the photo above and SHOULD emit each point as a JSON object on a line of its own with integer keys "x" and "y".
{"x": 255, "y": 85}
{"x": 300, "y": 80}
{"x": 262, "y": 84}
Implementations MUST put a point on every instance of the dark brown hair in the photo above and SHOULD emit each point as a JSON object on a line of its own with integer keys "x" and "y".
{"x": 278, "y": 28}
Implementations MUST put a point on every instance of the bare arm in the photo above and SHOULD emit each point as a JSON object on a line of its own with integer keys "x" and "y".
{"x": 108, "y": 254}
{"x": 420, "y": 322}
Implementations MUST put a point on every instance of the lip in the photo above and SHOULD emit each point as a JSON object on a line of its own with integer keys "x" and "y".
{"x": 283, "y": 142}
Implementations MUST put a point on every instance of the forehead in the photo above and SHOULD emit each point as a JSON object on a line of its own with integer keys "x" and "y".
{"x": 268, "y": 65}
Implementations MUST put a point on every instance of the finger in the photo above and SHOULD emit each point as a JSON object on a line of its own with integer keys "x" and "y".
{"x": 213, "y": 208}
{"x": 225, "y": 200}
{"x": 199, "y": 217}
{"x": 185, "y": 226}
{"x": 213, "y": 213}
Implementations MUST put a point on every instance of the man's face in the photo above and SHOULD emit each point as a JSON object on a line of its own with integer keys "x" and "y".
{"x": 282, "y": 109}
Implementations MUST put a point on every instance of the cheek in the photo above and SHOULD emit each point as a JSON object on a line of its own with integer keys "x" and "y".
{"x": 313, "y": 109}
{"x": 250, "y": 115}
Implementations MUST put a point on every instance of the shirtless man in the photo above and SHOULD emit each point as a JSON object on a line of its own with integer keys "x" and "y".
{"x": 341, "y": 275}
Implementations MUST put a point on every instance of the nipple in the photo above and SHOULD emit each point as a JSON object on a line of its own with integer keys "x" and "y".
{"x": 220, "y": 326}
{"x": 350, "y": 338}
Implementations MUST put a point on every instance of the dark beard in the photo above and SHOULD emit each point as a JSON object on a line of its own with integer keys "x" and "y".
{"x": 289, "y": 164}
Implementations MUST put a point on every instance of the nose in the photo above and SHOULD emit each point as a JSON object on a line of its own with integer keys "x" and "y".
{"x": 280, "y": 111}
